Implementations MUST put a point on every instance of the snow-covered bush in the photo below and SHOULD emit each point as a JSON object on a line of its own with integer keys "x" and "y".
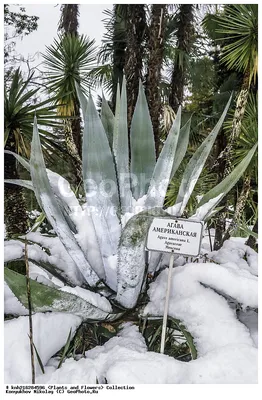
{"x": 101, "y": 246}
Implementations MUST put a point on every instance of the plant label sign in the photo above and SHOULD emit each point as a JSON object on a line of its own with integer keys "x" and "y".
{"x": 175, "y": 235}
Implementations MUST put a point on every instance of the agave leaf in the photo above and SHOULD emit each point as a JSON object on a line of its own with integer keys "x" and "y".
{"x": 120, "y": 149}
{"x": 62, "y": 204}
{"x": 131, "y": 257}
{"x": 182, "y": 144}
{"x": 98, "y": 171}
{"x": 50, "y": 268}
{"x": 81, "y": 97}
{"x": 45, "y": 298}
{"x": 210, "y": 200}
{"x": 143, "y": 156}
{"x": 108, "y": 119}
{"x": 22, "y": 160}
{"x": 20, "y": 182}
{"x": 164, "y": 166}
{"x": 196, "y": 164}
{"x": 49, "y": 204}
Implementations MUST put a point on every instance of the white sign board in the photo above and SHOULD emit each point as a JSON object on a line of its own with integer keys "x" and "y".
{"x": 177, "y": 235}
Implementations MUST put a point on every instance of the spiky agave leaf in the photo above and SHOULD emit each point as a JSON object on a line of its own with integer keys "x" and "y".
{"x": 182, "y": 144}
{"x": 48, "y": 203}
{"x": 121, "y": 150}
{"x": 211, "y": 199}
{"x": 164, "y": 166}
{"x": 20, "y": 182}
{"x": 40, "y": 255}
{"x": 70, "y": 209}
{"x": 143, "y": 155}
{"x": 196, "y": 164}
{"x": 131, "y": 257}
{"x": 108, "y": 120}
{"x": 99, "y": 173}
{"x": 45, "y": 298}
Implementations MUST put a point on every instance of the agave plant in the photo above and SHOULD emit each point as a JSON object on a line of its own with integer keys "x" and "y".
{"x": 102, "y": 244}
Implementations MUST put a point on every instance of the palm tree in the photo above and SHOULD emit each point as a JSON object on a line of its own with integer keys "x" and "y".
{"x": 184, "y": 34}
{"x": 236, "y": 32}
{"x": 68, "y": 60}
{"x": 19, "y": 111}
{"x": 111, "y": 55}
{"x": 239, "y": 22}
{"x": 155, "y": 47}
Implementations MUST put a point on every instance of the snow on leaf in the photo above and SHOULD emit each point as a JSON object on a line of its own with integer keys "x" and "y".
{"x": 131, "y": 257}
{"x": 45, "y": 298}
{"x": 196, "y": 164}
{"x": 49, "y": 204}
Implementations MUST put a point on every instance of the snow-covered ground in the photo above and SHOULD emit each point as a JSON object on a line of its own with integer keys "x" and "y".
{"x": 226, "y": 340}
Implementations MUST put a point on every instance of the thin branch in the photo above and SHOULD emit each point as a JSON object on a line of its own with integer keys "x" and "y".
{"x": 30, "y": 314}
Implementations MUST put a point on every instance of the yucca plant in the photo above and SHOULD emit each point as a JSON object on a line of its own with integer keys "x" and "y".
{"x": 103, "y": 243}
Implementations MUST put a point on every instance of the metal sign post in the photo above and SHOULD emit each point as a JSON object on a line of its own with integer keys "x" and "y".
{"x": 163, "y": 336}
{"x": 175, "y": 236}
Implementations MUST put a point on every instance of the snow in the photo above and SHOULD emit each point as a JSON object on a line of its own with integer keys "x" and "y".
{"x": 137, "y": 207}
{"x": 50, "y": 332}
{"x": 111, "y": 271}
{"x": 11, "y": 304}
{"x": 203, "y": 211}
{"x": 206, "y": 315}
{"x": 127, "y": 345}
{"x": 226, "y": 340}
{"x": 14, "y": 249}
{"x": 232, "y": 253}
{"x": 91, "y": 297}
{"x": 124, "y": 359}
{"x": 227, "y": 365}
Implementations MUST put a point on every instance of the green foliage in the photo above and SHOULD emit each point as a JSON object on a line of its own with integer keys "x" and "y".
{"x": 236, "y": 30}
{"x": 179, "y": 342}
{"x": 67, "y": 61}
{"x": 19, "y": 112}
{"x": 240, "y": 51}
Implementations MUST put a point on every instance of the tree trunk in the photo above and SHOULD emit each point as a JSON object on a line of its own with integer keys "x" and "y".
{"x": 16, "y": 219}
{"x": 252, "y": 241}
{"x": 69, "y": 26}
{"x": 136, "y": 27}
{"x": 73, "y": 152}
{"x": 119, "y": 49}
{"x": 69, "y": 18}
{"x": 184, "y": 42}
{"x": 76, "y": 127}
{"x": 236, "y": 123}
{"x": 240, "y": 206}
{"x": 226, "y": 155}
{"x": 154, "y": 66}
